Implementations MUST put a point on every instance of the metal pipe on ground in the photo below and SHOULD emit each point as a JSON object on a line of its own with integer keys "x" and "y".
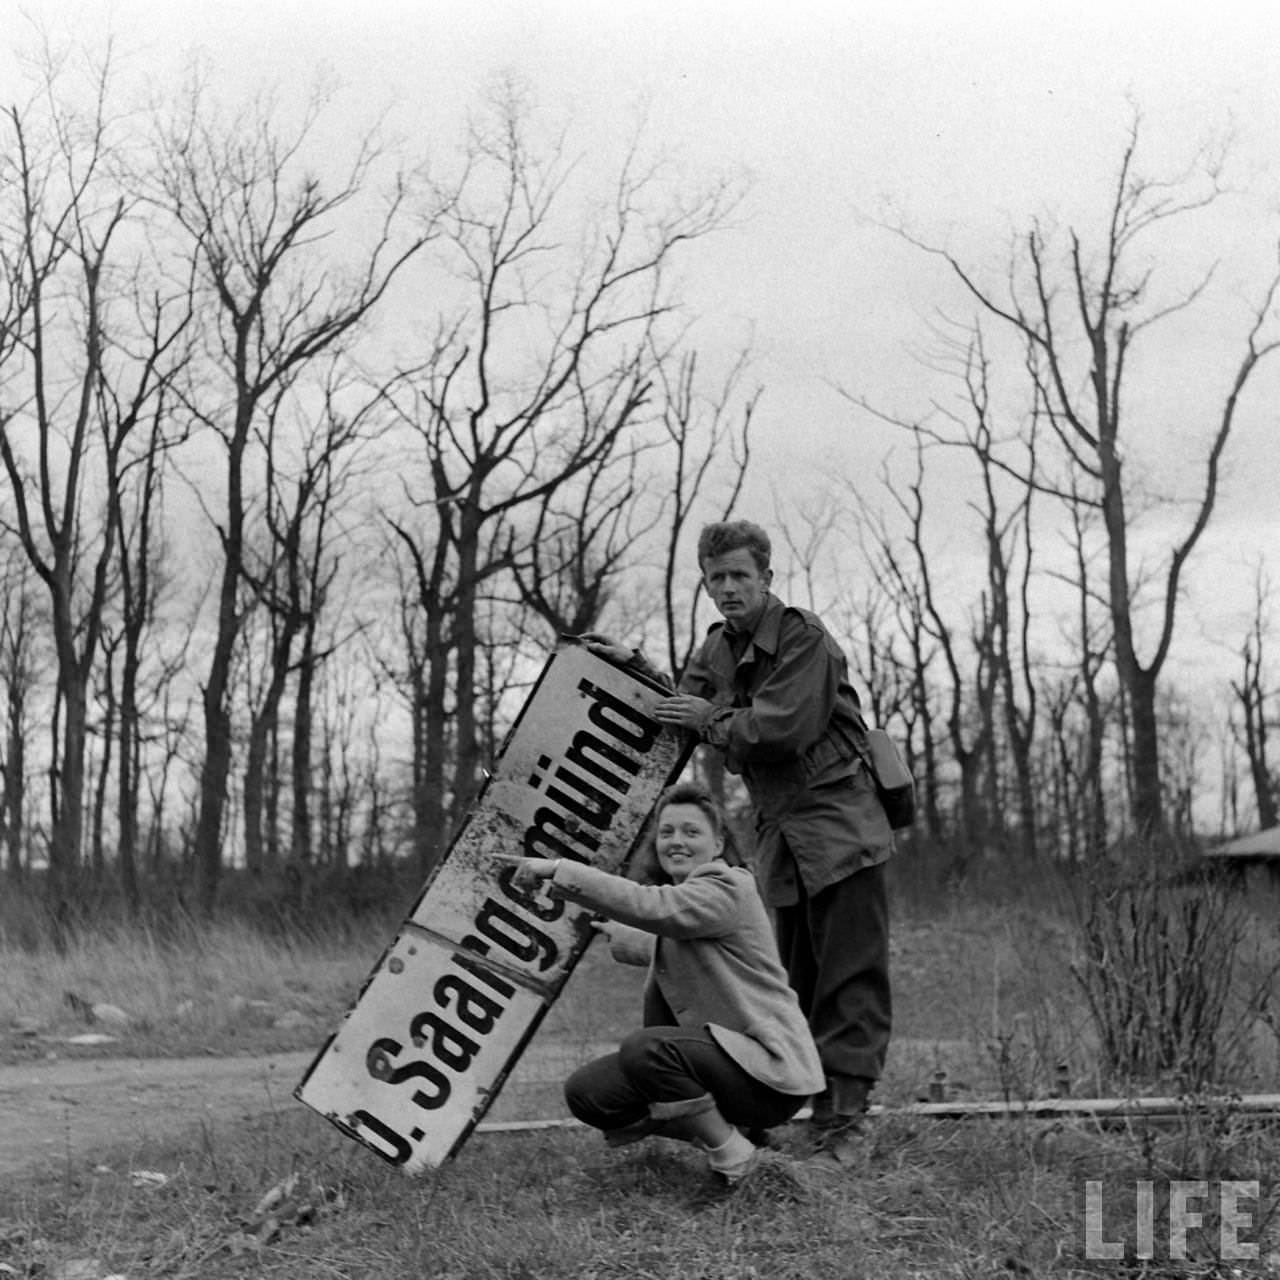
{"x": 1260, "y": 1106}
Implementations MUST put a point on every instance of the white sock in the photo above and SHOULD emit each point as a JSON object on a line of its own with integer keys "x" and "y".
{"x": 733, "y": 1157}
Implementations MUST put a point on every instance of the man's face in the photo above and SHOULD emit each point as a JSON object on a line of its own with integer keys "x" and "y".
{"x": 738, "y": 587}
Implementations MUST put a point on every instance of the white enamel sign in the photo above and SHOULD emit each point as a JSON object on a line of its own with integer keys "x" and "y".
{"x": 446, "y": 1012}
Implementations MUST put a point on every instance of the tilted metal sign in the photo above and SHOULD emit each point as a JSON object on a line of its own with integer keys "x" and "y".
{"x": 450, "y": 1006}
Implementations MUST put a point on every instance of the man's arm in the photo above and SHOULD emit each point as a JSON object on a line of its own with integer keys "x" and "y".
{"x": 621, "y": 656}
{"x": 789, "y": 711}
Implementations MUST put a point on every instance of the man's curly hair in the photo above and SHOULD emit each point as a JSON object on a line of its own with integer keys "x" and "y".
{"x": 731, "y": 535}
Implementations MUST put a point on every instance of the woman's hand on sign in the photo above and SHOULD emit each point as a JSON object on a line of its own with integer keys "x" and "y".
{"x": 527, "y": 872}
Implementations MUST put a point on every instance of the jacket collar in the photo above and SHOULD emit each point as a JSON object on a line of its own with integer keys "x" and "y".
{"x": 768, "y": 629}
{"x": 708, "y": 868}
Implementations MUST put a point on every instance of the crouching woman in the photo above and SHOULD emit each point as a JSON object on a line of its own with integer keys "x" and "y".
{"x": 725, "y": 1048}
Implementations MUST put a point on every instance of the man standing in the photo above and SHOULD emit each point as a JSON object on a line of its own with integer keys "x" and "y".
{"x": 769, "y": 689}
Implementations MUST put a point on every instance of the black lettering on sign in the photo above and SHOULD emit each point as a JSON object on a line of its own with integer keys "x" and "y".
{"x": 446, "y": 1043}
{"x": 451, "y": 1048}
{"x": 515, "y": 935}
{"x": 380, "y": 1067}
{"x": 578, "y": 788}
{"x": 582, "y": 792}
{"x": 619, "y": 719}
{"x": 585, "y": 745}
{"x": 400, "y": 1150}
{"x": 474, "y": 1009}
{"x": 598, "y": 810}
{"x": 534, "y": 901}
{"x": 541, "y": 841}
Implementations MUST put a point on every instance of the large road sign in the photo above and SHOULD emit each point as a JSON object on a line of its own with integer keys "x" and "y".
{"x": 450, "y": 1006}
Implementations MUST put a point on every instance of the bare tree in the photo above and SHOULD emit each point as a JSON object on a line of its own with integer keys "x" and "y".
{"x": 1252, "y": 699}
{"x": 252, "y": 212}
{"x": 1092, "y": 650}
{"x": 1007, "y": 536}
{"x": 21, "y": 630}
{"x": 87, "y": 380}
{"x": 1004, "y": 693}
{"x": 530, "y": 388}
{"x": 710, "y": 440}
{"x": 897, "y": 584}
{"x": 970, "y": 718}
{"x": 357, "y": 807}
{"x": 991, "y": 722}
{"x": 582, "y": 539}
{"x": 424, "y": 607}
{"x": 292, "y": 575}
{"x": 135, "y": 507}
{"x": 1101, "y": 298}
{"x": 321, "y": 568}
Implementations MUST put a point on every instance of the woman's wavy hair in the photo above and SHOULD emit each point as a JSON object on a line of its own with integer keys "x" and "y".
{"x": 647, "y": 867}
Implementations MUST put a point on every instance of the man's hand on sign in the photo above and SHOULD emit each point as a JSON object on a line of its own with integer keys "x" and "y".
{"x": 528, "y": 871}
{"x": 604, "y": 647}
{"x": 684, "y": 711}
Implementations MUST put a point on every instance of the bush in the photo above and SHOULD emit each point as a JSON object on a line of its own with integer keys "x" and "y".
{"x": 1159, "y": 952}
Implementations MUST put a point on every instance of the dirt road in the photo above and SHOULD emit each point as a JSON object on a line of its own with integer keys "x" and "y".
{"x": 90, "y": 1110}
{"x": 52, "y": 1111}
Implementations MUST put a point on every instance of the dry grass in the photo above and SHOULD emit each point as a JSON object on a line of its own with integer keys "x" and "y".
{"x": 292, "y": 1199}
{"x": 983, "y": 994}
{"x": 218, "y": 989}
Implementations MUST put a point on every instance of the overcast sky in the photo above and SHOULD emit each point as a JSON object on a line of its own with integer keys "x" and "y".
{"x": 964, "y": 120}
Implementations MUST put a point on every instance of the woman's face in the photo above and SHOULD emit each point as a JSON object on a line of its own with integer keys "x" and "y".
{"x": 685, "y": 840}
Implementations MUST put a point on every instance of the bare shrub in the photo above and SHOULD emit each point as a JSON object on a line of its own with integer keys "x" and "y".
{"x": 1160, "y": 952}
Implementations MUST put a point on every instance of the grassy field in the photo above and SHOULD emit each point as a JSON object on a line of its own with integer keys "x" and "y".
{"x": 985, "y": 994}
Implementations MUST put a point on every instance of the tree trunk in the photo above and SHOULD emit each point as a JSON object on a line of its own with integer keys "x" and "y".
{"x": 68, "y": 824}
{"x": 1148, "y": 809}
{"x": 213, "y": 787}
{"x": 98, "y": 854}
{"x": 431, "y": 809}
{"x": 127, "y": 778}
{"x": 217, "y": 714}
{"x": 466, "y": 747}
{"x": 255, "y": 783}
{"x": 1095, "y": 832}
{"x": 13, "y": 818}
{"x": 1268, "y": 812}
{"x": 300, "y": 849}
{"x": 1139, "y": 685}
{"x": 67, "y": 831}
{"x": 1251, "y": 694}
